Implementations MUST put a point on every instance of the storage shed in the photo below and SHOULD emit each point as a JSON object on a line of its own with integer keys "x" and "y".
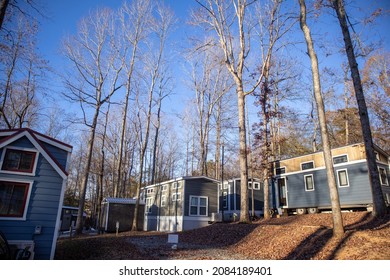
{"x": 121, "y": 211}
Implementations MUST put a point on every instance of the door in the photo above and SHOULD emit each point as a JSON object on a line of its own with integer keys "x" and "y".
{"x": 282, "y": 190}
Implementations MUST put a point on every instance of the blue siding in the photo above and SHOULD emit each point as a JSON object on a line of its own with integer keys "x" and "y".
{"x": 358, "y": 191}
{"x": 42, "y": 207}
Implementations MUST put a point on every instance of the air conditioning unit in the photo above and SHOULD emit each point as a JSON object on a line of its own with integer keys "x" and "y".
{"x": 216, "y": 217}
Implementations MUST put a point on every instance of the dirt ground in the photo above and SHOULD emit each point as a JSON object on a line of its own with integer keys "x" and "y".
{"x": 285, "y": 238}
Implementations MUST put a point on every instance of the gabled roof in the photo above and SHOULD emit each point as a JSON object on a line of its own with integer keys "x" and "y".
{"x": 37, "y": 140}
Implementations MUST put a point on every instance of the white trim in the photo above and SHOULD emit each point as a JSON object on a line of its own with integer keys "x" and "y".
{"x": 177, "y": 197}
{"x": 38, "y": 147}
{"x": 198, "y": 206}
{"x": 338, "y": 178}
{"x": 304, "y": 179}
{"x": 58, "y": 221}
{"x": 54, "y": 143}
{"x": 27, "y": 202}
{"x": 23, "y": 150}
{"x": 320, "y": 168}
{"x": 380, "y": 177}
{"x": 163, "y": 200}
{"x": 307, "y": 168}
{"x": 340, "y": 156}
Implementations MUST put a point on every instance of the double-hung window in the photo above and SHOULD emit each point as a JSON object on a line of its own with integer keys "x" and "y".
{"x": 198, "y": 205}
{"x": 383, "y": 176}
{"x": 14, "y": 197}
{"x": 309, "y": 182}
{"x": 342, "y": 178}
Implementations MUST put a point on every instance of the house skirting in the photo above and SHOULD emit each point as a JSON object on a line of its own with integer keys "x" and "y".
{"x": 174, "y": 223}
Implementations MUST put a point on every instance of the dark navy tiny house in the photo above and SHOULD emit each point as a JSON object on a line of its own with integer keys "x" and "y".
{"x": 300, "y": 183}
{"x": 33, "y": 174}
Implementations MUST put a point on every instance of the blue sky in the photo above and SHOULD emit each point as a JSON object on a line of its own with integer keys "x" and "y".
{"x": 64, "y": 15}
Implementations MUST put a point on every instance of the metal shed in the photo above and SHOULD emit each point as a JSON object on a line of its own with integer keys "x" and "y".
{"x": 121, "y": 211}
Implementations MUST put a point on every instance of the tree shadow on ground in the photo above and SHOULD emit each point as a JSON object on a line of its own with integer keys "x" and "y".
{"x": 314, "y": 243}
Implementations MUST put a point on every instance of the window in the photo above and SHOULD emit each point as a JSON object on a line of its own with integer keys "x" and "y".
{"x": 309, "y": 182}
{"x": 19, "y": 161}
{"x": 13, "y": 199}
{"x": 176, "y": 197}
{"x": 225, "y": 200}
{"x": 148, "y": 205}
{"x": 383, "y": 176}
{"x": 150, "y": 190}
{"x": 198, "y": 205}
{"x": 164, "y": 188}
{"x": 256, "y": 185}
{"x": 176, "y": 185}
{"x": 342, "y": 178}
{"x": 340, "y": 159}
{"x": 307, "y": 165}
{"x": 225, "y": 186}
{"x": 163, "y": 201}
{"x": 280, "y": 170}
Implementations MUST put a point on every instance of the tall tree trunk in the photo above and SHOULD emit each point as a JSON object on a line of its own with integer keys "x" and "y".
{"x": 379, "y": 206}
{"x": 84, "y": 182}
{"x": 244, "y": 215}
{"x": 338, "y": 227}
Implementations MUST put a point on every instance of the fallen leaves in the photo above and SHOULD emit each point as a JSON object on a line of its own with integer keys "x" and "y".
{"x": 294, "y": 237}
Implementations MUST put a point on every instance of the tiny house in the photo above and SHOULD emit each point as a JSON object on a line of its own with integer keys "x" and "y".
{"x": 180, "y": 204}
{"x": 33, "y": 174}
{"x": 301, "y": 184}
{"x": 118, "y": 213}
{"x": 230, "y": 198}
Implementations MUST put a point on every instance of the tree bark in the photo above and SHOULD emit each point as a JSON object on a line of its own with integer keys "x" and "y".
{"x": 379, "y": 206}
{"x": 338, "y": 227}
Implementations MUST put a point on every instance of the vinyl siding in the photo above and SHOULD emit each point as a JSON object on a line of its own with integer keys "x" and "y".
{"x": 358, "y": 191}
{"x": 42, "y": 207}
{"x": 201, "y": 187}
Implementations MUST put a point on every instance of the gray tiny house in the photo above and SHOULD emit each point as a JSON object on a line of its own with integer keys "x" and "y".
{"x": 119, "y": 212}
{"x": 33, "y": 174}
{"x": 180, "y": 204}
{"x": 301, "y": 185}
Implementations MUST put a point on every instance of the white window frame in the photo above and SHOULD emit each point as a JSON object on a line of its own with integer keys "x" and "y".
{"x": 302, "y": 163}
{"x": 176, "y": 197}
{"x": 343, "y": 155}
{"x": 380, "y": 177}
{"x": 148, "y": 204}
{"x": 32, "y": 173}
{"x": 225, "y": 200}
{"x": 27, "y": 201}
{"x": 198, "y": 206}
{"x": 338, "y": 178}
{"x": 149, "y": 190}
{"x": 164, "y": 188}
{"x": 280, "y": 168}
{"x": 163, "y": 200}
{"x": 312, "y": 176}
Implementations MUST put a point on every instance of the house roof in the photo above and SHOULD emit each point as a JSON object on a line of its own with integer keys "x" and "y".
{"x": 181, "y": 179}
{"x": 37, "y": 139}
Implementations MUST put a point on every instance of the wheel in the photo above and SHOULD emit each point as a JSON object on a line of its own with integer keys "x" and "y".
{"x": 301, "y": 211}
{"x": 312, "y": 210}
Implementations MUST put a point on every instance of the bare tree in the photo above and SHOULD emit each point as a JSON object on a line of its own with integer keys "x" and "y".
{"x": 161, "y": 26}
{"x": 338, "y": 227}
{"x": 135, "y": 19}
{"x": 379, "y": 206}
{"x": 224, "y": 17}
{"x": 94, "y": 79}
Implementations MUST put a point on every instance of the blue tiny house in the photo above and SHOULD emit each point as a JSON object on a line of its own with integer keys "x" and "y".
{"x": 230, "y": 198}
{"x": 33, "y": 174}
{"x": 301, "y": 185}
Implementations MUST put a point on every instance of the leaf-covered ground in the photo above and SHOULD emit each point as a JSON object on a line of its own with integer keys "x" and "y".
{"x": 293, "y": 237}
